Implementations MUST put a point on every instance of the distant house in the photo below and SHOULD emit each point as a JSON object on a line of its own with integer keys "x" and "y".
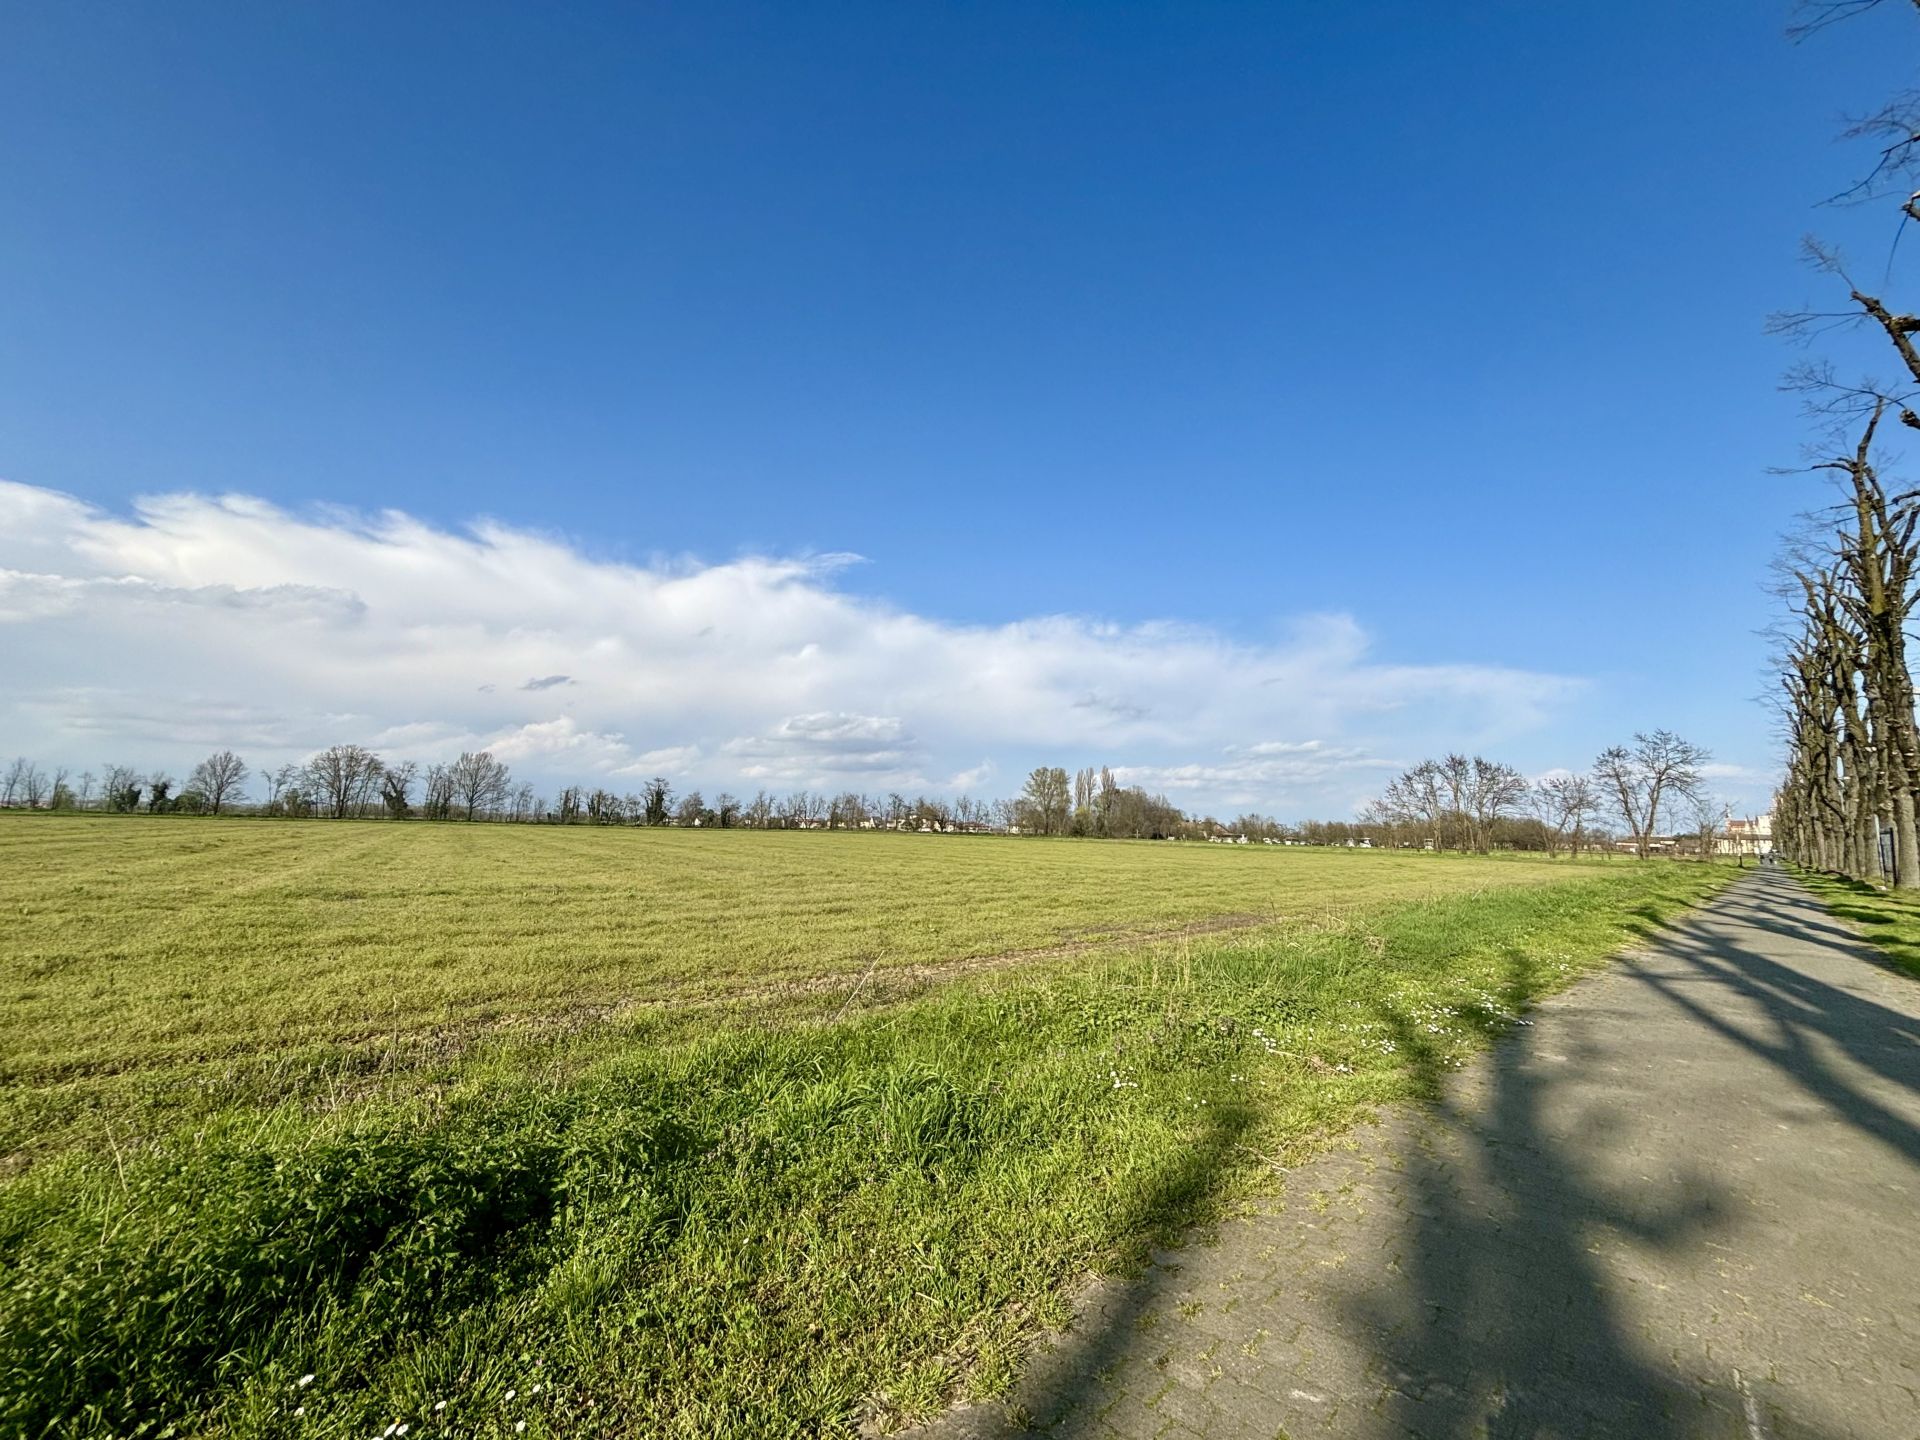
{"x": 1656, "y": 845}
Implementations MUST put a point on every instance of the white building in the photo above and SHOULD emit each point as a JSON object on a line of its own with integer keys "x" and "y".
{"x": 1749, "y": 836}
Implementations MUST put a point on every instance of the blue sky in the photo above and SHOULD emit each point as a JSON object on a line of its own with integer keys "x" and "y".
{"x": 1433, "y": 329}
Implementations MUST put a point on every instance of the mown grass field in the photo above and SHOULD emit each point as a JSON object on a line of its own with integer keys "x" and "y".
{"x": 625, "y": 1133}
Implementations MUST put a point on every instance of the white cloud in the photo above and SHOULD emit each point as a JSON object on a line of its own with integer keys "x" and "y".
{"x": 197, "y": 621}
{"x": 559, "y": 744}
{"x": 1244, "y": 776}
{"x": 1738, "y": 774}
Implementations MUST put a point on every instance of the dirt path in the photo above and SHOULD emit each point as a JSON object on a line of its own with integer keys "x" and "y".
{"x": 1684, "y": 1202}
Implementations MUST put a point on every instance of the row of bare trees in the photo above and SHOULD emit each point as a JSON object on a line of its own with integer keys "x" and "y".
{"x": 1453, "y": 803}
{"x": 340, "y": 782}
{"x": 656, "y": 803}
{"x": 1456, "y": 802}
{"x": 350, "y": 781}
{"x": 353, "y": 782}
{"x": 25, "y": 783}
{"x": 1846, "y": 700}
{"x": 214, "y": 783}
{"x": 1092, "y": 802}
{"x": 1845, "y": 694}
{"x": 1462, "y": 802}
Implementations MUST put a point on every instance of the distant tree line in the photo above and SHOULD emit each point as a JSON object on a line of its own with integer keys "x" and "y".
{"x": 1093, "y": 803}
{"x": 1454, "y": 803}
{"x": 346, "y": 782}
{"x": 341, "y": 782}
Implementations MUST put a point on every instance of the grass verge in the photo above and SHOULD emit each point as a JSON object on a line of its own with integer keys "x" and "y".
{"x": 767, "y": 1230}
{"x": 1889, "y": 920}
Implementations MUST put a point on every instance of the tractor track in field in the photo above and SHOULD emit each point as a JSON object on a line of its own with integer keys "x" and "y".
{"x": 886, "y": 983}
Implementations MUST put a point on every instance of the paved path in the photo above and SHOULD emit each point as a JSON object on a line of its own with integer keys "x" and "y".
{"x": 1684, "y": 1202}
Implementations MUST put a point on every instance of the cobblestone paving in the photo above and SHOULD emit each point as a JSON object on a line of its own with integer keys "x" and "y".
{"x": 1684, "y": 1202}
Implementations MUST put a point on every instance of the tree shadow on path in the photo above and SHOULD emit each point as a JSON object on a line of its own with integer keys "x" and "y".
{"x": 1504, "y": 1323}
{"x": 1857, "y": 1057}
{"x": 1556, "y": 1243}
{"x": 1571, "y": 1174}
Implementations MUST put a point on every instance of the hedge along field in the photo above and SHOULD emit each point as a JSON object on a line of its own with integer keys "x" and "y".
{"x": 251, "y": 1150}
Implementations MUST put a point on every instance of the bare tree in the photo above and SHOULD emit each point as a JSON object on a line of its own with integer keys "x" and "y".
{"x": 396, "y": 788}
{"x": 1085, "y": 820}
{"x": 218, "y": 779}
{"x": 1456, "y": 774}
{"x": 436, "y": 797}
{"x": 1615, "y": 769}
{"x": 1892, "y": 130}
{"x": 1564, "y": 804}
{"x": 1495, "y": 790}
{"x": 344, "y": 778}
{"x": 1638, "y": 779}
{"x": 1873, "y": 582}
{"x": 1382, "y": 823}
{"x": 659, "y": 800}
{"x": 1045, "y": 801}
{"x": 847, "y": 811}
{"x": 480, "y": 783}
{"x": 1417, "y": 800}
{"x": 1457, "y": 798}
{"x": 1710, "y": 817}
{"x": 120, "y": 788}
{"x": 14, "y": 781}
{"x": 1831, "y": 658}
{"x": 34, "y": 787}
{"x": 288, "y": 779}
{"x": 1116, "y": 813}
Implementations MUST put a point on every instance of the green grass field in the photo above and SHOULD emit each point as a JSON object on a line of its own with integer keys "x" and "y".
{"x": 627, "y": 1132}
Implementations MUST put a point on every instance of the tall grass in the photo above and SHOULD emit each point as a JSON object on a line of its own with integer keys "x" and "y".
{"x": 674, "y": 1227}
